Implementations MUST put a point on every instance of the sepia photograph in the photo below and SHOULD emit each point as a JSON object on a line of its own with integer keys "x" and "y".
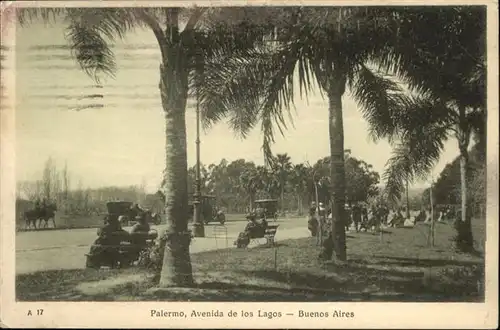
{"x": 215, "y": 153}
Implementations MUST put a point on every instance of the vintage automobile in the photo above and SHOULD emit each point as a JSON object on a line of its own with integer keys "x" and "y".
{"x": 119, "y": 210}
{"x": 209, "y": 210}
{"x": 124, "y": 211}
{"x": 269, "y": 208}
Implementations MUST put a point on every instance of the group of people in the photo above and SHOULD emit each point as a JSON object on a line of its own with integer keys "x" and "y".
{"x": 108, "y": 245}
{"x": 361, "y": 216}
{"x": 375, "y": 216}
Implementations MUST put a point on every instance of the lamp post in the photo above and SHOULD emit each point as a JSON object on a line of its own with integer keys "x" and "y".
{"x": 433, "y": 220}
{"x": 199, "y": 228}
{"x": 407, "y": 201}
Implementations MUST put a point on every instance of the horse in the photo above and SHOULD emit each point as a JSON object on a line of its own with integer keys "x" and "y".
{"x": 48, "y": 212}
{"x": 31, "y": 216}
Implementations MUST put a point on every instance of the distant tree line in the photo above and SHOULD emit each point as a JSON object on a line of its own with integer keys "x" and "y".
{"x": 237, "y": 184}
{"x": 57, "y": 186}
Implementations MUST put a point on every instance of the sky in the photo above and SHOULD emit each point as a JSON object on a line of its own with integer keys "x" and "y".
{"x": 122, "y": 143}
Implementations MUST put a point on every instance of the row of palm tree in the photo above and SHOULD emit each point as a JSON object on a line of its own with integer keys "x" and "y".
{"x": 237, "y": 184}
{"x": 241, "y": 64}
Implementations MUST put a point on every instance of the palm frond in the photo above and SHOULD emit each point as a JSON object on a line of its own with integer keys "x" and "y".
{"x": 398, "y": 171}
{"x": 230, "y": 87}
{"x": 111, "y": 23}
{"x": 26, "y": 15}
{"x": 414, "y": 157}
{"x": 418, "y": 113}
{"x": 277, "y": 97}
{"x": 91, "y": 32}
{"x": 380, "y": 99}
{"x": 92, "y": 52}
{"x": 423, "y": 126}
{"x": 438, "y": 62}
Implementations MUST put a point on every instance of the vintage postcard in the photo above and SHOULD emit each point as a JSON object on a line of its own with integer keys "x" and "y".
{"x": 249, "y": 164}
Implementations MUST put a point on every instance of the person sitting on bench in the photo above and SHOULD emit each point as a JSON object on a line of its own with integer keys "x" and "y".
{"x": 253, "y": 229}
{"x": 109, "y": 238}
{"x": 139, "y": 233}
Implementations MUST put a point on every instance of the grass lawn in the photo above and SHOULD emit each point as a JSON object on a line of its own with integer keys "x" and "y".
{"x": 399, "y": 266}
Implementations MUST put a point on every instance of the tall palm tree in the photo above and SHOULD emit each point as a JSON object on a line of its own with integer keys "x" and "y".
{"x": 333, "y": 47}
{"x": 425, "y": 128}
{"x": 339, "y": 48}
{"x": 282, "y": 166}
{"x": 450, "y": 79}
{"x": 251, "y": 182}
{"x": 184, "y": 36}
{"x": 299, "y": 180}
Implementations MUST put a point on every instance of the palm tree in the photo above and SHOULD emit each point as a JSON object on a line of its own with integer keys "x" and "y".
{"x": 299, "y": 179}
{"x": 451, "y": 101}
{"x": 186, "y": 38}
{"x": 339, "y": 48}
{"x": 425, "y": 128}
{"x": 282, "y": 166}
{"x": 334, "y": 47}
{"x": 251, "y": 182}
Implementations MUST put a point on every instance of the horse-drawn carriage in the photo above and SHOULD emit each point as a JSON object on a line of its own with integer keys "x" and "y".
{"x": 209, "y": 210}
{"x": 267, "y": 207}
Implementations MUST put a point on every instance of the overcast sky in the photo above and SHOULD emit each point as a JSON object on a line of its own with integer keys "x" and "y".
{"x": 123, "y": 142}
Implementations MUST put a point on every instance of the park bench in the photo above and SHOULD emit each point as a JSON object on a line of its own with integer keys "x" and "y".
{"x": 269, "y": 234}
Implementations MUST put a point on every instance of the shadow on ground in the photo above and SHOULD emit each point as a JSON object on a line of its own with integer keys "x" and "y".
{"x": 398, "y": 267}
{"x": 290, "y": 272}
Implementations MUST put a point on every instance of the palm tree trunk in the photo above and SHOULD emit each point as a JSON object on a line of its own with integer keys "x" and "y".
{"x": 337, "y": 238}
{"x": 465, "y": 239}
{"x": 327, "y": 251}
{"x": 176, "y": 269}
